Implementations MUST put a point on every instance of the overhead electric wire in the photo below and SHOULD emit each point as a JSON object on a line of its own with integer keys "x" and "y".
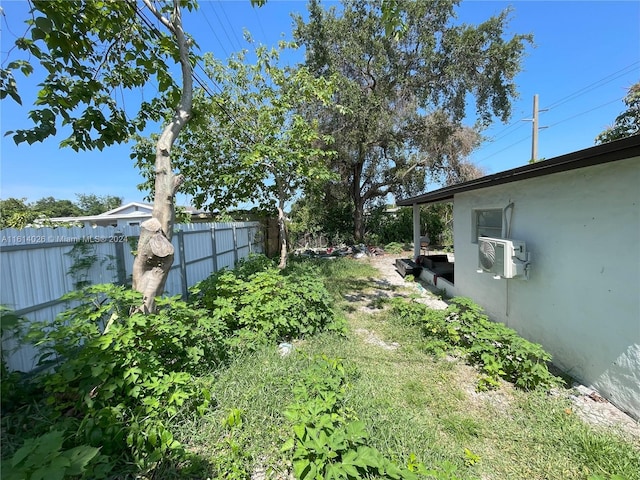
{"x": 508, "y": 130}
{"x": 586, "y": 111}
{"x": 503, "y": 149}
{"x": 264, "y": 35}
{"x": 552, "y": 125}
{"x": 592, "y": 86}
{"x": 224, "y": 29}
{"x": 233, "y": 30}
{"x": 206, "y": 19}
{"x": 198, "y": 80}
{"x": 599, "y": 83}
{"x": 506, "y": 134}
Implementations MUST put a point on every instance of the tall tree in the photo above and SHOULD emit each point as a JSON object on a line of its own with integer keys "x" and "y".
{"x": 15, "y": 213}
{"x": 628, "y": 122}
{"x": 255, "y": 145}
{"x": 91, "y": 53}
{"x": 92, "y": 204}
{"x": 51, "y": 207}
{"x": 404, "y": 91}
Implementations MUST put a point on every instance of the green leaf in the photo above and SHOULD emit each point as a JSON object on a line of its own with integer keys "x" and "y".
{"x": 368, "y": 457}
{"x": 79, "y": 458}
{"x": 44, "y": 24}
{"x": 300, "y": 431}
{"x": 350, "y": 470}
{"x": 48, "y": 473}
{"x": 152, "y": 435}
{"x": 23, "y": 452}
{"x": 288, "y": 445}
{"x": 302, "y": 469}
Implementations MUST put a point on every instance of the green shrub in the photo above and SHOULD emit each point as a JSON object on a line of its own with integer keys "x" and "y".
{"x": 10, "y": 324}
{"x": 394, "y": 248}
{"x": 123, "y": 377}
{"x": 267, "y": 305}
{"x": 497, "y": 349}
{"x": 43, "y": 457}
{"x": 254, "y": 263}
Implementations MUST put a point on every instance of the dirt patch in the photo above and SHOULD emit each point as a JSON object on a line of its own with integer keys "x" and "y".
{"x": 371, "y": 338}
{"x": 598, "y": 411}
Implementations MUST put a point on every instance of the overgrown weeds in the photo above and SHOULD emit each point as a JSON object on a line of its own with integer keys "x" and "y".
{"x": 113, "y": 382}
{"x": 498, "y": 351}
{"x": 334, "y": 406}
{"x": 261, "y": 304}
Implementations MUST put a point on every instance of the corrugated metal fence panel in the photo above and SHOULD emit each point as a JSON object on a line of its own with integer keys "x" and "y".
{"x": 24, "y": 357}
{"x": 224, "y": 238}
{"x": 198, "y": 253}
{"x": 244, "y": 236}
{"x": 35, "y": 264}
{"x": 199, "y": 262}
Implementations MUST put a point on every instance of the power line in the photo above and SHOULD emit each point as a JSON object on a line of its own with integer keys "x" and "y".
{"x": 586, "y": 111}
{"x": 264, "y": 35}
{"x": 233, "y": 30}
{"x": 518, "y": 126}
{"x": 599, "y": 83}
{"x": 508, "y": 130}
{"x": 552, "y": 125}
{"x": 214, "y": 33}
{"x": 502, "y": 150}
{"x": 224, "y": 29}
{"x": 198, "y": 80}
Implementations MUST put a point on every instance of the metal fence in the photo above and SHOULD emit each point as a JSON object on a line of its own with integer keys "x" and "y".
{"x": 39, "y": 265}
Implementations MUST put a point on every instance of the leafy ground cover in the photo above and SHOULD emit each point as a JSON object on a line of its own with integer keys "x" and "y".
{"x": 340, "y": 405}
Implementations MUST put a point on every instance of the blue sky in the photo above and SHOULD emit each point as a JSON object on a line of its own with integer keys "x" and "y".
{"x": 586, "y": 55}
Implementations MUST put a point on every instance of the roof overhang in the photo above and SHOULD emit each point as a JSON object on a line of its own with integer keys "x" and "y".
{"x": 608, "y": 152}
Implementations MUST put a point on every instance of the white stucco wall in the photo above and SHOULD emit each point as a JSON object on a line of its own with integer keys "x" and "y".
{"x": 582, "y": 301}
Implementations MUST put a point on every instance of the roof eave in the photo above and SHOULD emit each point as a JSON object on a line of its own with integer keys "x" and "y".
{"x": 608, "y": 152}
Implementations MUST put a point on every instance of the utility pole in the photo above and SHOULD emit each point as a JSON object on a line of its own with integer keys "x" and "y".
{"x": 534, "y": 134}
{"x": 535, "y": 128}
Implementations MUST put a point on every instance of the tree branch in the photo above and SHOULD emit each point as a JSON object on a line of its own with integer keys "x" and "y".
{"x": 161, "y": 18}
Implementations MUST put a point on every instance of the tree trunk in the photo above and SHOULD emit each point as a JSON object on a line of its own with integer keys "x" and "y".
{"x": 358, "y": 204}
{"x": 282, "y": 235}
{"x": 358, "y": 221}
{"x": 155, "y": 251}
{"x": 151, "y": 265}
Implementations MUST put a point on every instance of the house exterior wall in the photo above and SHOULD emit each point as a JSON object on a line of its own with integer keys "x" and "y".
{"x": 582, "y": 300}
{"x": 117, "y": 221}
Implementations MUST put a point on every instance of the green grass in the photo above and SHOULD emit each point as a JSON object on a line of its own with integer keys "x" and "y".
{"x": 258, "y": 385}
{"x": 411, "y": 402}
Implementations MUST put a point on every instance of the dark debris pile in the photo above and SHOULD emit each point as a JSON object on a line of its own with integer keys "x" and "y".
{"x": 353, "y": 251}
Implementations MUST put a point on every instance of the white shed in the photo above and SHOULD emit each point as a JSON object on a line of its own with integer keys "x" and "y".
{"x": 577, "y": 285}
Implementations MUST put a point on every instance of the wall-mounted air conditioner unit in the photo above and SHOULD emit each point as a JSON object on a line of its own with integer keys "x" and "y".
{"x": 503, "y": 258}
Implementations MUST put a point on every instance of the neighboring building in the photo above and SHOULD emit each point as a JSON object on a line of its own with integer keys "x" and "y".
{"x": 129, "y": 215}
{"x": 579, "y": 218}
